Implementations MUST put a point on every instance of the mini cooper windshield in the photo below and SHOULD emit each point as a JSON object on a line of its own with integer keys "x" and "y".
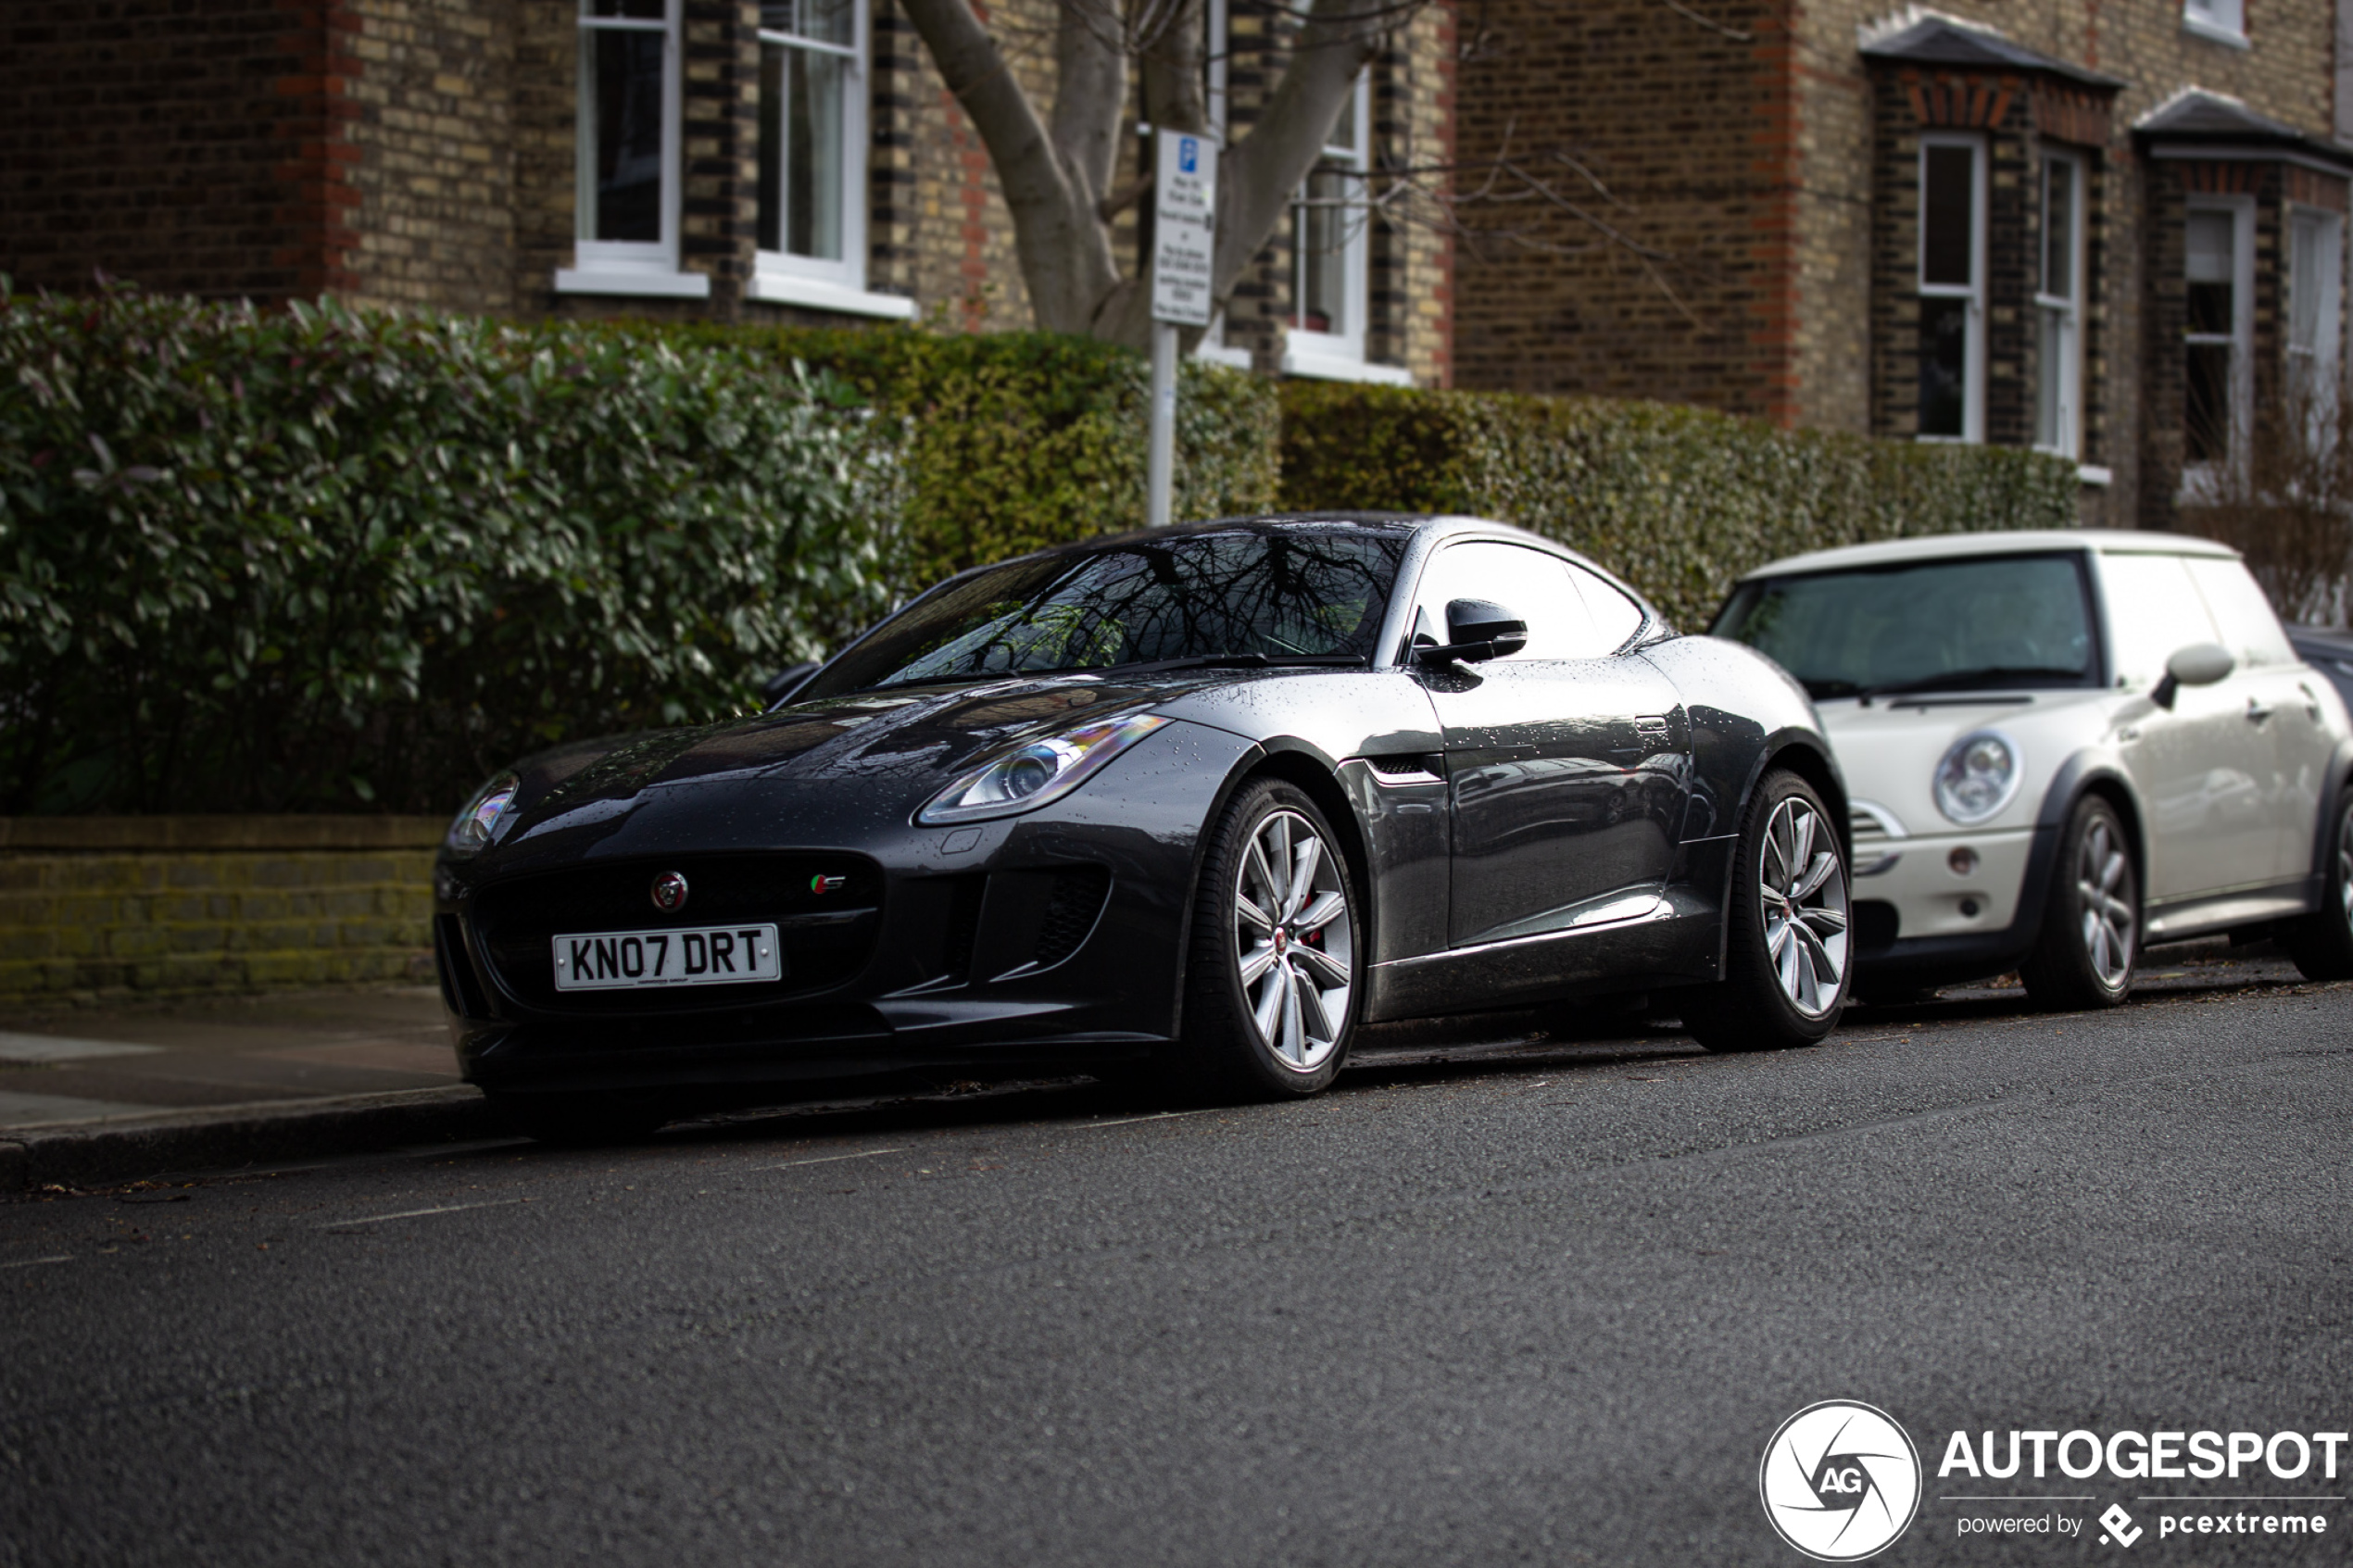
{"x": 1964, "y": 622}
{"x": 1244, "y": 597}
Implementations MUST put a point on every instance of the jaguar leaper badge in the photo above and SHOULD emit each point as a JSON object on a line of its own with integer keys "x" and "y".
{"x": 670, "y": 891}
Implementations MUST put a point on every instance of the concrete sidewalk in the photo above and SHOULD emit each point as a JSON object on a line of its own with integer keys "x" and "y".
{"x": 95, "y": 1094}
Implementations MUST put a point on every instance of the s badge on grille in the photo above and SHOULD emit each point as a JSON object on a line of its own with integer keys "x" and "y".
{"x": 670, "y": 893}
{"x": 822, "y": 884}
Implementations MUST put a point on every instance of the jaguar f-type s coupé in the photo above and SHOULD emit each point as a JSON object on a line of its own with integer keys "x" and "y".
{"x": 1191, "y": 805}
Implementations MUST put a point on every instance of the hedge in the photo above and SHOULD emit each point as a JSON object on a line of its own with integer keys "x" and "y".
{"x": 335, "y": 560}
{"x": 1679, "y": 501}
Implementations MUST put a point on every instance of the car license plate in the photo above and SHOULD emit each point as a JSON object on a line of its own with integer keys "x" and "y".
{"x": 710, "y": 954}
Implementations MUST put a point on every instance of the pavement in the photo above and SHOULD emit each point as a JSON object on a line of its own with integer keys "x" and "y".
{"x": 94, "y": 1093}
{"x": 1500, "y": 1297}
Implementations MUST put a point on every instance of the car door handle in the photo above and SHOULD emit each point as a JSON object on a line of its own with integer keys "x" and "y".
{"x": 2255, "y": 712}
{"x": 2311, "y": 703}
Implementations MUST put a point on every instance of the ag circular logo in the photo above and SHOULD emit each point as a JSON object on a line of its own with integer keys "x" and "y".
{"x": 670, "y": 893}
{"x": 1839, "y": 1481}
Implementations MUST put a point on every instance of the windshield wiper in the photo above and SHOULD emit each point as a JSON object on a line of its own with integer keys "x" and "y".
{"x": 1961, "y": 680}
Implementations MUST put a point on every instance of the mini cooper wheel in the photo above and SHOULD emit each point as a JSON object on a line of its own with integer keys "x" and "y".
{"x": 1787, "y": 955}
{"x": 2092, "y": 925}
{"x": 1274, "y": 987}
{"x": 2321, "y": 942}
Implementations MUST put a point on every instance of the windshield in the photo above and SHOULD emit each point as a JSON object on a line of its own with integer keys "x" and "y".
{"x": 1292, "y": 595}
{"x": 1952, "y": 624}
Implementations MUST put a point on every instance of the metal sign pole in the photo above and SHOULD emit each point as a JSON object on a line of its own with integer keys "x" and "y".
{"x": 1161, "y": 467}
{"x": 1184, "y": 223}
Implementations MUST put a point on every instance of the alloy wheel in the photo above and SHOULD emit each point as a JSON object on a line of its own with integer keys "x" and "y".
{"x": 2101, "y": 869}
{"x": 1803, "y": 884}
{"x": 1293, "y": 941}
{"x": 2344, "y": 864}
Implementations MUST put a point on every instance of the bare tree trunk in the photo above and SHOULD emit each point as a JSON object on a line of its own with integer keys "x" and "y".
{"x": 1057, "y": 180}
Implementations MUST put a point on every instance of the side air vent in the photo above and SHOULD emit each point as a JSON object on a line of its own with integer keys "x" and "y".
{"x": 1409, "y": 764}
{"x": 1071, "y": 908}
{"x": 460, "y": 987}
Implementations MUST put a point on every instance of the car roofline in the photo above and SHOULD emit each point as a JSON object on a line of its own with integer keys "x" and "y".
{"x": 1963, "y": 547}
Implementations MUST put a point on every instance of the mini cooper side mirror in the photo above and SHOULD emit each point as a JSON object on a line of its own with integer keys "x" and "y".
{"x": 2200, "y": 664}
{"x": 1477, "y": 630}
{"x": 785, "y": 682}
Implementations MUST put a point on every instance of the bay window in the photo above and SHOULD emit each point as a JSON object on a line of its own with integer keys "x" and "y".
{"x": 627, "y": 134}
{"x": 2217, "y": 329}
{"x": 811, "y": 206}
{"x": 2058, "y": 309}
{"x": 2315, "y": 287}
{"x": 1952, "y": 287}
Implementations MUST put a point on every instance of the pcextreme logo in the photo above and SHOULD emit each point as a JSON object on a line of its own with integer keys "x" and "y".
{"x": 1839, "y": 1481}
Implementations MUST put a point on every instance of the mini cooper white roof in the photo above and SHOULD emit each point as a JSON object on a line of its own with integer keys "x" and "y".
{"x": 1932, "y": 547}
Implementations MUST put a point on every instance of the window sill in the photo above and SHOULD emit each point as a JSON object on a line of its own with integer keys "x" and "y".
{"x": 1300, "y": 361}
{"x": 817, "y": 293}
{"x": 1223, "y": 354}
{"x": 2214, "y": 34}
{"x": 2093, "y": 474}
{"x": 614, "y": 280}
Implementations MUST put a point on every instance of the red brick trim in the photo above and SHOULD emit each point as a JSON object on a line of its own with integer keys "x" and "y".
{"x": 2215, "y": 179}
{"x": 2068, "y": 114}
{"x": 318, "y": 108}
{"x": 2312, "y": 188}
{"x": 1776, "y": 138}
{"x": 1953, "y": 99}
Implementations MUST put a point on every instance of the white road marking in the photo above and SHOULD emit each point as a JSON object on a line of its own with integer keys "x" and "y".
{"x": 1129, "y": 1121}
{"x": 36, "y": 1262}
{"x": 829, "y": 1158}
{"x": 53, "y": 1048}
{"x": 420, "y": 1213}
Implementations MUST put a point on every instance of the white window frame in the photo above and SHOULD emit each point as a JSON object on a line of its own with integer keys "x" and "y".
{"x": 2241, "y": 338}
{"x": 1973, "y": 347}
{"x": 2219, "y": 21}
{"x": 2319, "y": 362}
{"x": 1341, "y": 355}
{"x": 2068, "y": 311}
{"x": 1213, "y": 346}
{"x": 780, "y": 277}
{"x": 630, "y": 266}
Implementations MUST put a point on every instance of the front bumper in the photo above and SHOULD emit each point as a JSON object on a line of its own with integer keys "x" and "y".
{"x": 1053, "y": 939}
{"x": 1920, "y": 923}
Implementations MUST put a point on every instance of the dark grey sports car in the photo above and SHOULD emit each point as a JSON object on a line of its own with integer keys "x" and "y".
{"x": 1191, "y": 805}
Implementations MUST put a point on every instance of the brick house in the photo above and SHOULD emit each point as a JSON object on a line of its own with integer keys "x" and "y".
{"x": 793, "y": 161}
{"x": 2111, "y": 230}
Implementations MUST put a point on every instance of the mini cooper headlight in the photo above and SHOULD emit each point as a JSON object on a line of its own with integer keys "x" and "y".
{"x": 1041, "y": 772}
{"x": 1977, "y": 776}
{"x": 470, "y": 833}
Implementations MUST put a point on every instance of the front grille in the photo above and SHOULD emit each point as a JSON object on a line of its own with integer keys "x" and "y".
{"x": 826, "y": 932}
{"x": 460, "y": 987}
{"x": 1071, "y": 909}
{"x": 1875, "y": 845}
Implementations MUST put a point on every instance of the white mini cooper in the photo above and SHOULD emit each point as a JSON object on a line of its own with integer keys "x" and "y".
{"x": 2062, "y": 747}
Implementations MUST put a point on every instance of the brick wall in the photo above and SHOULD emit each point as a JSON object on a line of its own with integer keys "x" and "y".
{"x": 163, "y": 905}
{"x": 196, "y": 149}
{"x": 1673, "y": 134}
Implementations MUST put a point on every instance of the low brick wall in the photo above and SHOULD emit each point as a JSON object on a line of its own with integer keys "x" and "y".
{"x": 164, "y": 904}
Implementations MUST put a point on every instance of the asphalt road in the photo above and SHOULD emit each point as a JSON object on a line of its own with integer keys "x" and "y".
{"x": 1545, "y": 1305}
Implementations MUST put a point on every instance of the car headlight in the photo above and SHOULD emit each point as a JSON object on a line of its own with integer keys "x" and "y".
{"x": 471, "y": 833}
{"x": 1041, "y": 772}
{"x": 1977, "y": 776}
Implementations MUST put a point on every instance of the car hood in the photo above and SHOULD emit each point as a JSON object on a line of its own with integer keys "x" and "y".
{"x": 873, "y": 755}
{"x": 1890, "y": 749}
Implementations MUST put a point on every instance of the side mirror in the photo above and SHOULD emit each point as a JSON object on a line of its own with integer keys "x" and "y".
{"x": 2200, "y": 664}
{"x": 785, "y": 682}
{"x": 1477, "y": 630}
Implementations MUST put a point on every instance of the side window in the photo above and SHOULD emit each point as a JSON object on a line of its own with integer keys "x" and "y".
{"x": 2153, "y": 611}
{"x": 1616, "y": 616}
{"x": 2249, "y": 629}
{"x": 1533, "y": 585}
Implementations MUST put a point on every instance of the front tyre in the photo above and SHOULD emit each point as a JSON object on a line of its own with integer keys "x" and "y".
{"x": 2321, "y": 942}
{"x": 1274, "y": 985}
{"x": 1786, "y": 950}
{"x": 2092, "y": 926}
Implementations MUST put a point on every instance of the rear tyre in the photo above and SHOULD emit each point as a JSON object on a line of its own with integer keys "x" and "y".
{"x": 1787, "y": 951}
{"x": 2321, "y": 942}
{"x": 1274, "y": 984}
{"x": 2092, "y": 925}
{"x": 579, "y": 1119}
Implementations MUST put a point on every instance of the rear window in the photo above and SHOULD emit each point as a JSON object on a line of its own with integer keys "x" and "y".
{"x": 1955, "y": 624}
